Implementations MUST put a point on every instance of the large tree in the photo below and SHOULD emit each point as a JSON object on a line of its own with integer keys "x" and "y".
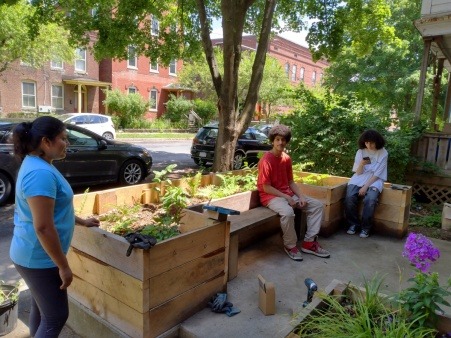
{"x": 185, "y": 26}
{"x": 30, "y": 41}
{"x": 196, "y": 75}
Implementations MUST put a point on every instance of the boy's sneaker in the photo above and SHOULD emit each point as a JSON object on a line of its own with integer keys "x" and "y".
{"x": 364, "y": 234}
{"x": 352, "y": 230}
{"x": 293, "y": 253}
{"x": 315, "y": 249}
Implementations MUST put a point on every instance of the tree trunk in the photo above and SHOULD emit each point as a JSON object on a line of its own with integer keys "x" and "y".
{"x": 232, "y": 122}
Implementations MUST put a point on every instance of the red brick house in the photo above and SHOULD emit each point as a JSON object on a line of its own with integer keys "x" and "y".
{"x": 296, "y": 60}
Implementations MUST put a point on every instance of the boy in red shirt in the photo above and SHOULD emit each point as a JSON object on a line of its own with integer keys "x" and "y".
{"x": 279, "y": 192}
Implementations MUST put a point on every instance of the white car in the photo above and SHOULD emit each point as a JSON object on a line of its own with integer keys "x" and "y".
{"x": 97, "y": 123}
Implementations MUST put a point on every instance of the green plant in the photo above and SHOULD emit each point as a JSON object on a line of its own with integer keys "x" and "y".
{"x": 358, "y": 313}
{"x": 193, "y": 183}
{"x": 121, "y": 218}
{"x": 162, "y": 176}
{"x": 313, "y": 179}
{"x": 9, "y": 293}
{"x": 128, "y": 109}
{"x": 422, "y": 298}
{"x": 161, "y": 232}
{"x": 173, "y": 202}
{"x": 178, "y": 108}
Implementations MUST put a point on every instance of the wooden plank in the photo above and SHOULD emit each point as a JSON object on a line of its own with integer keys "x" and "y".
{"x": 233, "y": 256}
{"x": 334, "y": 211}
{"x": 121, "y": 316}
{"x": 106, "y": 200}
{"x": 432, "y": 147}
{"x": 111, "y": 249}
{"x": 251, "y": 218}
{"x": 395, "y": 197}
{"x": 85, "y": 204}
{"x": 125, "y": 288}
{"x": 129, "y": 195}
{"x": 388, "y": 228}
{"x": 189, "y": 246}
{"x": 325, "y": 194}
{"x": 182, "y": 307}
{"x": 241, "y": 202}
{"x": 183, "y": 278}
{"x": 192, "y": 220}
{"x": 442, "y": 152}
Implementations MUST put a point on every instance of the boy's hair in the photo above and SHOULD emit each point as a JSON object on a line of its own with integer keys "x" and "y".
{"x": 371, "y": 135}
{"x": 280, "y": 130}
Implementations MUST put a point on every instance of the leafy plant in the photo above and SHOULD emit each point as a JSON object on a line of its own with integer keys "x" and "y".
{"x": 358, "y": 314}
{"x": 193, "y": 183}
{"x": 421, "y": 300}
{"x": 313, "y": 179}
{"x": 121, "y": 218}
{"x": 173, "y": 202}
{"x": 127, "y": 108}
{"x": 161, "y": 232}
{"x": 11, "y": 296}
{"x": 162, "y": 176}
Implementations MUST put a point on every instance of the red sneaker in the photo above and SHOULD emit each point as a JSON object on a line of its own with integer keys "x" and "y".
{"x": 315, "y": 249}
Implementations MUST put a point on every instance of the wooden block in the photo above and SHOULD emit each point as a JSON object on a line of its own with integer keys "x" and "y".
{"x": 266, "y": 296}
{"x": 325, "y": 194}
{"x": 395, "y": 197}
{"x": 393, "y": 229}
{"x": 129, "y": 195}
{"x": 334, "y": 211}
{"x": 192, "y": 220}
{"x": 242, "y": 202}
{"x": 182, "y": 278}
{"x": 127, "y": 289}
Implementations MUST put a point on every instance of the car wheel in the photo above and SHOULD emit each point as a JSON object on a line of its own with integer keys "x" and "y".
{"x": 238, "y": 161}
{"x": 108, "y": 135}
{"x": 131, "y": 172}
{"x": 5, "y": 188}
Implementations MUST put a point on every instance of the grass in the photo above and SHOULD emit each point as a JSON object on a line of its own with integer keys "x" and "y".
{"x": 180, "y": 136}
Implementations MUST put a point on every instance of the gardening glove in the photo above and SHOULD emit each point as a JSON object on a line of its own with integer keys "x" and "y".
{"x": 230, "y": 310}
{"x": 217, "y": 302}
{"x": 139, "y": 241}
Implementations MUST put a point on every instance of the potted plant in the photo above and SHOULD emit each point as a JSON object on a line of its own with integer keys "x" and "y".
{"x": 9, "y": 296}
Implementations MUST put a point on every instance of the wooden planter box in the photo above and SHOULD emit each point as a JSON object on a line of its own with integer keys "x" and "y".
{"x": 336, "y": 288}
{"x": 151, "y": 291}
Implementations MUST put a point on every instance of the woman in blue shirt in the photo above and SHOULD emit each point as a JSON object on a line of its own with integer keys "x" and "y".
{"x": 44, "y": 222}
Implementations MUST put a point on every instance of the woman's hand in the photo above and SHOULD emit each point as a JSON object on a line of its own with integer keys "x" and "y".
{"x": 91, "y": 222}
{"x": 66, "y": 277}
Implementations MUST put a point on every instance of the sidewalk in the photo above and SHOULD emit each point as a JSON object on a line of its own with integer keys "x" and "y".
{"x": 352, "y": 259}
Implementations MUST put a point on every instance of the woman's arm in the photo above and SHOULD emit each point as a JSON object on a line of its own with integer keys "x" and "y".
{"x": 88, "y": 222}
{"x": 42, "y": 211}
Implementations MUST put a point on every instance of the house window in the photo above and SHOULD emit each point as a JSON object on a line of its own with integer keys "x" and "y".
{"x": 314, "y": 77}
{"x": 132, "y": 61}
{"x": 287, "y": 69}
{"x": 154, "y": 25}
{"x": 28, "y": 95}
{"x": 131, "y": 90}
{"x": 173, "y": 67}
{"x": 56, "y": 64}
{"x": 154, "y": 66}
{"x": 293, "y": 72}
{"x": 80, "y": 60}
{"x": 57, "y": 96}
{"x": 301, "y": 73}
{"x": 153, "y": 99}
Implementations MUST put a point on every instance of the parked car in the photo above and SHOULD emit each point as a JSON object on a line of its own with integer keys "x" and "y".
{"x": 247, "y": 148}
{"x": 90, "y": 159}
{"x": 97, "y": 123}
{"x": 265, "y": 128}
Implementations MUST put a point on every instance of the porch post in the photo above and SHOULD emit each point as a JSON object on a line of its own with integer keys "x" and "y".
{"x": 424, "y": 66}
{"x": 79, "y": 96}
{"x": 447, "y": 110}
{"x": 436, "y": 92}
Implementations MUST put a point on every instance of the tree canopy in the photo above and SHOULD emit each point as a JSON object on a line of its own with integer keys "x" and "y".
{"x": 185, "y": 27}
{"x": 35, "y": 43}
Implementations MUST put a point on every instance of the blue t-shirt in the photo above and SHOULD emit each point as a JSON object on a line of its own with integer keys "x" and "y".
{"x": 37, "y": 177}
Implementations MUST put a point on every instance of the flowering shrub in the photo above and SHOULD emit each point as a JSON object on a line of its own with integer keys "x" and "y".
{"x": 421, "y": 299}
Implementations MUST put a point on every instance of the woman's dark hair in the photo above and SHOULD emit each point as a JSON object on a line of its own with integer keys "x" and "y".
{"x": 27, "y": 136}
{"x": 280, "y": 130}
{"x": 371, "y": 135}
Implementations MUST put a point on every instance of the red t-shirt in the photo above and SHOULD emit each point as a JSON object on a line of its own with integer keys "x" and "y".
{"x": 276, "y": 172}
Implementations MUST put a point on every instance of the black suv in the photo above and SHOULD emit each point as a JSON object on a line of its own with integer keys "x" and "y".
{"x": 248, "y": 146}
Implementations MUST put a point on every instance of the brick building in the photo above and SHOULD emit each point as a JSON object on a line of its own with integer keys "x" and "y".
{"x": 296, "y": 60}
